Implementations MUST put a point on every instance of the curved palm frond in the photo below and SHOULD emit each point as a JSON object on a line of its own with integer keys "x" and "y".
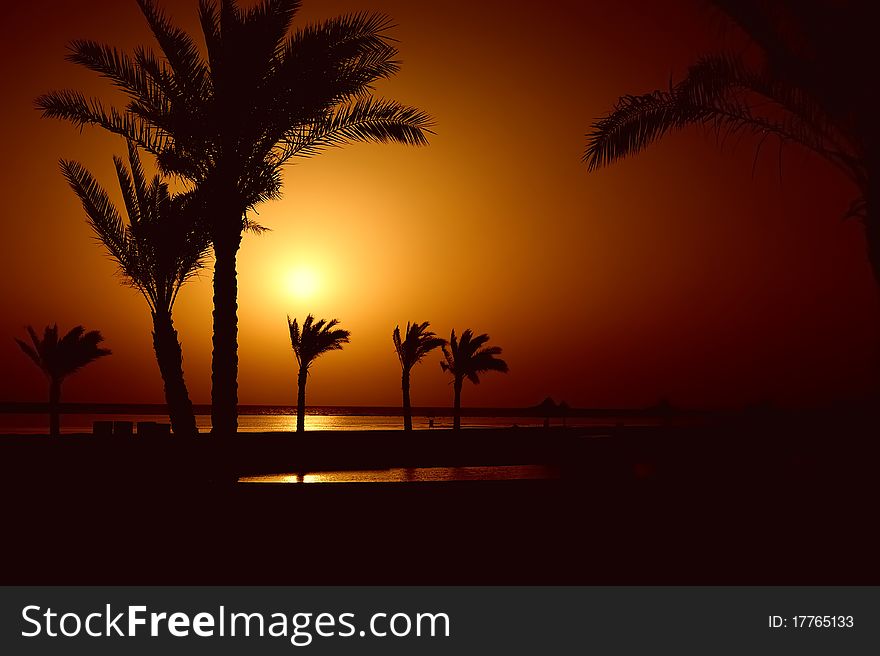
{"x": 315, "y": 338}
{"x": 367, "y": 119}
{"x": 353, "y": 49}
{"x": 722, "y": 92}
{"x": 467, "y": 357}
{"x": 75, "y": 107}
{"x": 807, "y": 88}
{"x": 416, "y": 343}
{"x": 739, "y": 97}
{"x": 262, "y": 96}
{"x": 58, "y": 358}
{"x": 635, "y": 123}
{"x": 119, "y": 68}
{"x": 179, "y": 48}
{"x": 163, "y": 244}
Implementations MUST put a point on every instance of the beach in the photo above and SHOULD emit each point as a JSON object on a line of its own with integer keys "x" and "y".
{"x": 721, "y": 504}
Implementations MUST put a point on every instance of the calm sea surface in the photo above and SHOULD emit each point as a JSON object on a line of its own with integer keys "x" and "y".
{"x": 34, "y": 424}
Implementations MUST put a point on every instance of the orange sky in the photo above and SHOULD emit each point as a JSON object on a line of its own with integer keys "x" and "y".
{"x": 676, "y": 274}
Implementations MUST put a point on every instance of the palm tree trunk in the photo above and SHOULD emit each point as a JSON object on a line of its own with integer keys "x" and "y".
{"x": 224, "y": 365}
{"x": 301, "y": 400}
{"x": 407, "y": 409}
{"x": 55, "y": 407}
{"x": 456, "y": 406}
{"x": 170, "y": 360}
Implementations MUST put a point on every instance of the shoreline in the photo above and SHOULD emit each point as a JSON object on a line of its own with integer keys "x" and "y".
{"x": 757, "y": 504}
{"x": 41, "y": 407}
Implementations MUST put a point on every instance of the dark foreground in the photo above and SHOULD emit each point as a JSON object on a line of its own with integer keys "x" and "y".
{"x": 767, "y": 502}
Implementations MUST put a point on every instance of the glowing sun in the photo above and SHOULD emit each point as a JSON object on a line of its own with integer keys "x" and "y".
{"x": 302, "y": 283}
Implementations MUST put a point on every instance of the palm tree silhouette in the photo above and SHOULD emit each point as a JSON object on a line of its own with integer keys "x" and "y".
{"x": 229, "y": 122}
{"x": 416, "y": 344}
{"x": 58, "y": 358}
{"x": 810, "y": 88}
{"x": 313, "y": 340}
{"x": 157, "y": 252}
{"x": 468, "y": 358}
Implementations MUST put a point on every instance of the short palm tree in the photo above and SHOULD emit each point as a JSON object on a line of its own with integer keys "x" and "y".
{"x": 159, "y": 249}
{"x": 309, "y": 342}
{"x": 229, "y": 122}
{"x": 808, "y": 86}
{"x": 417, "y": 342}
{"x": 58, "y": 358}
{"x": 468, "y": 358}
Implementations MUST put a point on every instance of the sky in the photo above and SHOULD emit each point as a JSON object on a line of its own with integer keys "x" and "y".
{"x": 680, "y": 274}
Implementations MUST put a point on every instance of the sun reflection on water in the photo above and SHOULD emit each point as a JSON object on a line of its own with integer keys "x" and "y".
{"x": 415, "y": 475}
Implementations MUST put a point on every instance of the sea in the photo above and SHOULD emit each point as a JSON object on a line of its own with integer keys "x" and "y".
{"x": 259, "y": 419}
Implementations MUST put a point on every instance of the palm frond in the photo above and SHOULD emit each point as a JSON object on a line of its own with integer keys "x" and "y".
{"x": 634, "y": 124}
{"x": 448, "y": 361}
{"x": 132, "y": 199}
{"x": 79, "y": 348}
{"x": 267, "y": 23}
{"x": 805, "y": 85}
{"x": 721, "y": 91}
{"x": 359, "y": 31}
{"x": 164, "y": 244}
{"x": 467, "y": 358}
{"x": 118, "y": 67}
{"x": 228, "y": 123}
{"x": 105, "y": 221}
{"x": 315, "y": 338}
{"x": 417, "y": 343}
{"x": 178, "y": 47}
{"x": 730, "y": 92}
{"x": 362, "y": 121}
{"x": 354, "y": 49}
{"x": 29, "y": 351}
{"x": 58, "y": 358}
{"x": 75, "y": 107}
{"x": 209, "y": 19}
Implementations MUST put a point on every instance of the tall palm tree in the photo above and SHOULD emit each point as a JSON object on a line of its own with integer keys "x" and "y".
{"x": 58, "y": 358}
{"x": 313, "y": 340}
{"x": 157, "y": 252}
{"x": 807, "y": 86}
{"x": 418, "y": 341}
{"x": 229, "y": 122}
{"x": 468, "y": 358}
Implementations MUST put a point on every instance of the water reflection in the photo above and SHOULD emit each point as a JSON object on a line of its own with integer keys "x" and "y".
{"x": 276, "y": 422}
{"x": 421, "y": 474}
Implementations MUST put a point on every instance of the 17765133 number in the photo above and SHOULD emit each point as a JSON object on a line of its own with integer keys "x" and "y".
{"x": 810, "y": 622}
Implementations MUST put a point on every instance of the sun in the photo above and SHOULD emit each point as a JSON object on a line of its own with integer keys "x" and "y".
{"x": 302, "y": 283}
